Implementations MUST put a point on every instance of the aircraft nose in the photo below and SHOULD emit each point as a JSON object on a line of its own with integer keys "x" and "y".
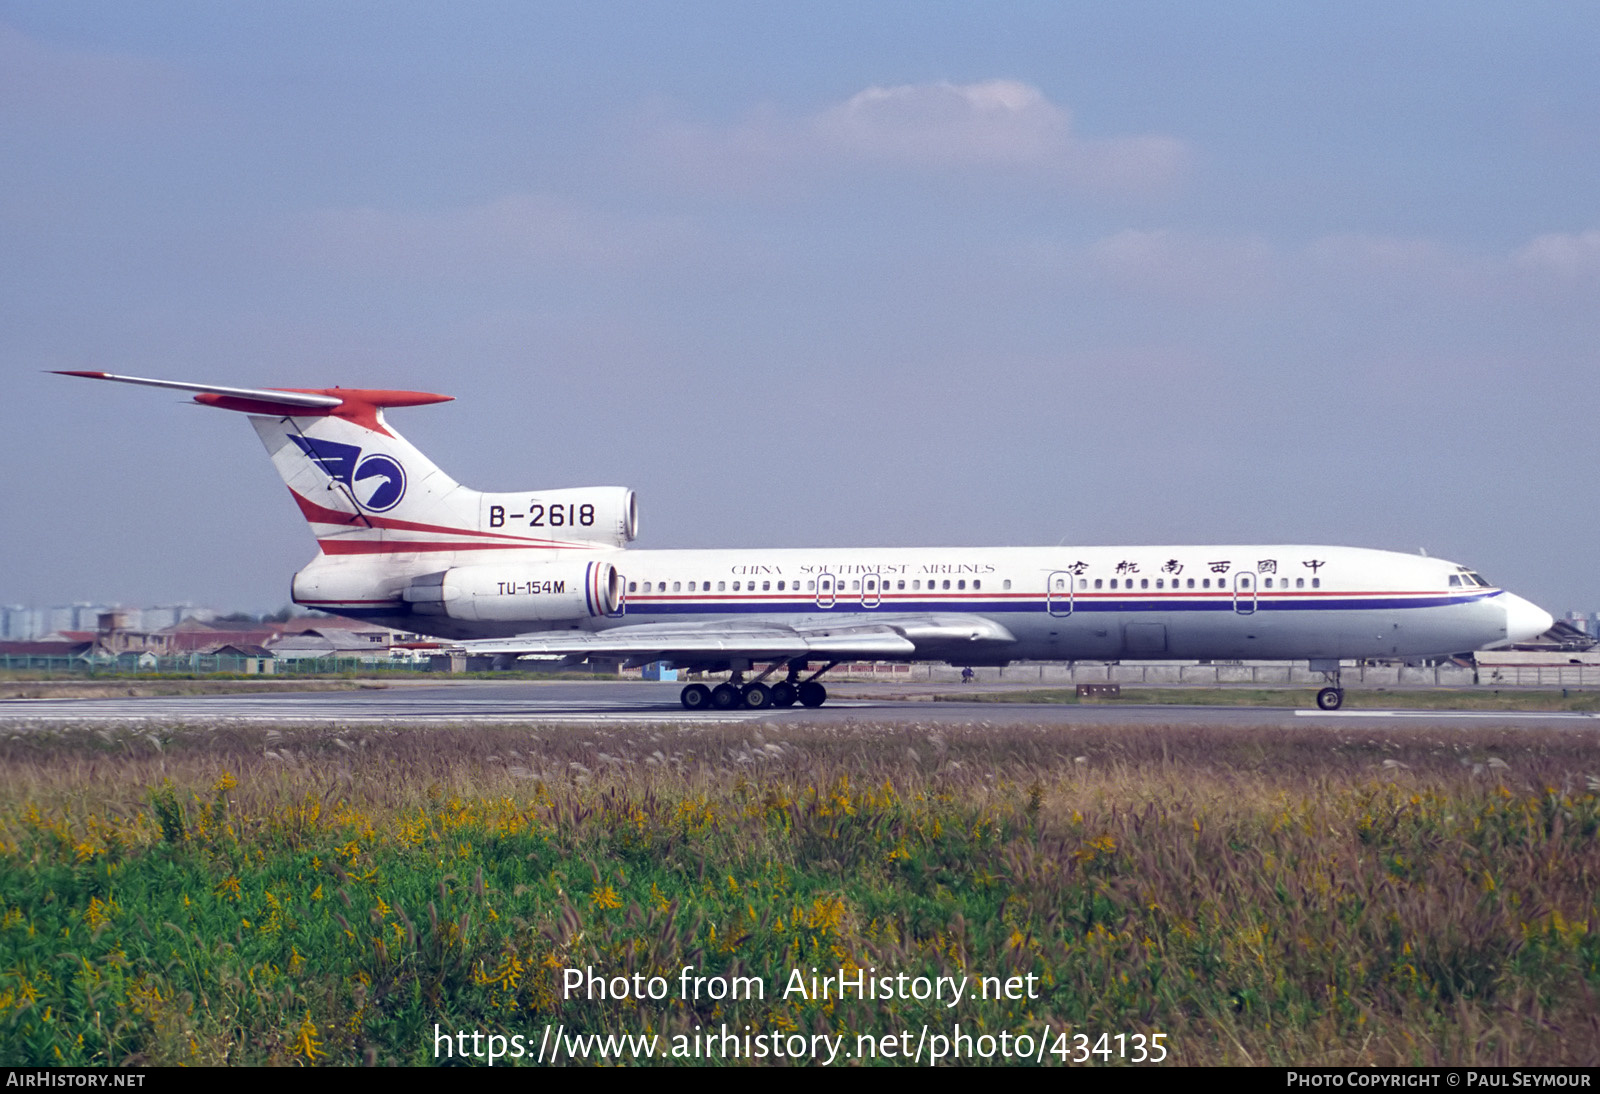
{"x": 1525, "y": 621}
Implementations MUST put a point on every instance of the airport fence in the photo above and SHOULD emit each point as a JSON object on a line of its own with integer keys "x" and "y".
{"x": 207, "y": 664}
{"x": 1565, "y": 676}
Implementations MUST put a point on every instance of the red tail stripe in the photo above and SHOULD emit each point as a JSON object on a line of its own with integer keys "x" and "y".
{"x": 322, "y": 515}
{"x": 392, "y": 546}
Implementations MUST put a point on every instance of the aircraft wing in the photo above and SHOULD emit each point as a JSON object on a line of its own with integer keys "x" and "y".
{"x": 885, "y": 638}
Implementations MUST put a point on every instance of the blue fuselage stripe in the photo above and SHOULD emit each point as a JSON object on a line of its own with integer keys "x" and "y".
{"x": 656, "y": 605}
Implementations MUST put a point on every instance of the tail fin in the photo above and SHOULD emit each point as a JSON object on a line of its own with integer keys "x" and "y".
{"x": 367, "y": 490}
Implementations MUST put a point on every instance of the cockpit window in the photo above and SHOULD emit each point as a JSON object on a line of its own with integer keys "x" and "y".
{"x": 1479, "y": 579}
{"x": 1455, "y": 581}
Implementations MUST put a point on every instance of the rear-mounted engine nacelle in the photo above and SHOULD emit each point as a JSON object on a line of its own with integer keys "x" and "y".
{"x": 534, "y": 592}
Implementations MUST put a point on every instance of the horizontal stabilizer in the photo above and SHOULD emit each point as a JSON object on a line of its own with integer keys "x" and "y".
{"x": 264, "y": 395}
{"x": 358, "y": 404}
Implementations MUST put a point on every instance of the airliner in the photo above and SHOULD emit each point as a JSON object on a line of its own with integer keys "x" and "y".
{"x": 548, "y": 574}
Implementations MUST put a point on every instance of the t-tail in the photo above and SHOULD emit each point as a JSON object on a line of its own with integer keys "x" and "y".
{"x": 370, "y": 495}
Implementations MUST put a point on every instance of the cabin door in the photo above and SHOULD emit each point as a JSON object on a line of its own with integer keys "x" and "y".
{"x": 1058, "y": 593}
{"x": 826, "y": 593}
{"x": 871, "y": 590}
{"x": 1244, "y": 592}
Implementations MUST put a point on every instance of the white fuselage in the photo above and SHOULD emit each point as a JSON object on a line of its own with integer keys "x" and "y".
{"x": 1066, "y": 603}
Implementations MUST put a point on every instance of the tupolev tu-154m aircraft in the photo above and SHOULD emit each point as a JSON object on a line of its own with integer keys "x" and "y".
{"x": 545, "y": 573}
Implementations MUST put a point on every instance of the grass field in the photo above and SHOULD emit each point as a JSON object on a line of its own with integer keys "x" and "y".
{"x": 1319, "y": 896}
{"x": 24, "y": 684}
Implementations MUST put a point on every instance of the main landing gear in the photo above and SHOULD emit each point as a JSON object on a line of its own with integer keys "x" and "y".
{"x": 1331, "y": 697}
{"x": 738, "y": 695}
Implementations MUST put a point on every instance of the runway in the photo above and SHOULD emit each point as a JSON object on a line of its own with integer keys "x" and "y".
{"x": 629, "y": 702}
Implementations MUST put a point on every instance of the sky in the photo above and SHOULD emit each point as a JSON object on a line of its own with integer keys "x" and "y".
{"x": 832, "y": 274}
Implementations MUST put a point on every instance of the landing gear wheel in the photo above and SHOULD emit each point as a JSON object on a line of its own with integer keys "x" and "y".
{"x": 756, "y": 697}
{"x": 784, "y": 694}
{"x": 812, "y": 694}
{"x": 1330, "y": 698}
{"x": 724, "y": 697}
{"x": 695, "y": 697}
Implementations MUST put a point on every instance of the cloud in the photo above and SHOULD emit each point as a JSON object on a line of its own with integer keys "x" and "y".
{"x": 1555, "y": 269}
{"x": 516, "y": 233}
{"x": 1185, "y": 266}
{"x": 1562, "y": 255}
{"x": 997, "y": 127}
{"x": 46, "y": 85}
{"x": 1400, "y": 267}
{"x": 1401, "y": 256}
{"x": 1001, "y": 122}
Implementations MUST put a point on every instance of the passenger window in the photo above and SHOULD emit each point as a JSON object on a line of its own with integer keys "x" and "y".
{"x": 1299, "y": 583}
{"x": 1191, "y": 583}
{"x": 677, "y": 586}
{"x": 947, "y": 583}
{"x": 1083, "y": 583}
{"x": 901, "y": 584}
{"x": 765, "y": 585}
{"x": 1316, "y": 583}
{"x": 976, "y": 584}
{"x": 1144, "y": 583}
{"x": 633, "y": 586}
{"x": 1113, "y": 583}
{"x": 810, "y": 585}
{"x": 1158, "y": 583}
{"x": 1097, "y": 583}
{"x": 722, "y": 585}
{"x": 1205, "y": 583}
{"x": 961, "y": 584}
{"x": 646, "y": 586}
{"x": 1005, "y": 585}
{"x": 1244, "y": 583}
